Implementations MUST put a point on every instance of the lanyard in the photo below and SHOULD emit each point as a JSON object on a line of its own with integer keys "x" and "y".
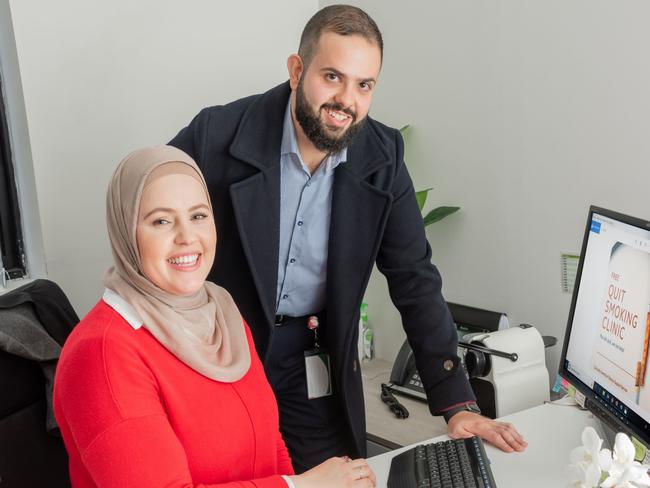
{"x": 312, "y": 324}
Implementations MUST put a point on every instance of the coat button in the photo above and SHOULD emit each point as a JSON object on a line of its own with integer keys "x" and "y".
{"x": 354, "y": 365}
{"x": 448, "y": 365}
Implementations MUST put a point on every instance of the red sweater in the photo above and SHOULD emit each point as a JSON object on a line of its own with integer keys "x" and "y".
{"x": 132, "y": 415}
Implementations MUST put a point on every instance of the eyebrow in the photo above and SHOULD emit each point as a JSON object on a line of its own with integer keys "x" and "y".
{"x": 171, "y": 210}
{"x": 338, "y": 73}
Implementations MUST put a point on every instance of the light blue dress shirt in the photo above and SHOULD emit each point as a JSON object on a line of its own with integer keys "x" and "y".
{"x": 305, "y": 211}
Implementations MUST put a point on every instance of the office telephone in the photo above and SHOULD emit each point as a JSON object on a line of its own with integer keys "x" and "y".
{"x": 404, "y": 377}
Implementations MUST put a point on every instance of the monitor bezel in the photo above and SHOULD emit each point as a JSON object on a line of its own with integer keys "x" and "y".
{"x": 591, "y": 403}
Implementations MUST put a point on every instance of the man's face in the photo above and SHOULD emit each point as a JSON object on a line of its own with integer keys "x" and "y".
{"x": 334, "y": 93}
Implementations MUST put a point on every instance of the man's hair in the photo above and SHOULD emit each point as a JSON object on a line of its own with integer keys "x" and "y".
{"x": 344, "y": 20}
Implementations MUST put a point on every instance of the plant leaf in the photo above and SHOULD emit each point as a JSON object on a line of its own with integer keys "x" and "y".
{"x": 438, "y": 214}
{"x": 421, "y": 197}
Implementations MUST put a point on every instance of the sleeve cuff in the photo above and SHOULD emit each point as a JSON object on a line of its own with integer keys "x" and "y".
{"x": 461, "y": 404}
{"x": 288, "y": 481}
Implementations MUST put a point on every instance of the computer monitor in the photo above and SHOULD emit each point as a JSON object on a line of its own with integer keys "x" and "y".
{"x": 605, "y": 354}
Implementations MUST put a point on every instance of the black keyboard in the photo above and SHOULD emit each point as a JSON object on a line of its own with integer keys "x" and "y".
{"x": 460, "y": 463}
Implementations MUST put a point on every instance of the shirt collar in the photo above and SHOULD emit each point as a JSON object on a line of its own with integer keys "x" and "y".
{"x": 122, "y": 307}
{"x": 290, "y": 142}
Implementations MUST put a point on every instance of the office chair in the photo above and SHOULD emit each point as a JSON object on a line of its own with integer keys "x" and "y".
{"x": 32, "y": 453}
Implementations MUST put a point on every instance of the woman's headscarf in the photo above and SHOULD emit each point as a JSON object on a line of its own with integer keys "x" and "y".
{"x": 204, "y": 330}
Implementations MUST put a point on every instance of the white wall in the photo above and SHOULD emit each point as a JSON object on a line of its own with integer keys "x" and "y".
{"x": 524, "y": 113}
{"x": 103, "y": 78}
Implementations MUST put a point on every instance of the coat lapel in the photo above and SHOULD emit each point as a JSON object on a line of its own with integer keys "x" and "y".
{"x": 359, "y": 212}
{"x": 256, "y": 199}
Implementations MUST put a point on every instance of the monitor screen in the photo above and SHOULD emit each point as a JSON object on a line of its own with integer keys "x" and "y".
{"x": 605, "y": 354}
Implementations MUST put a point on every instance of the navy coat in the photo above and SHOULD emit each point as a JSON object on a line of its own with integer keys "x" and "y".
{"x": 375, "y": 218}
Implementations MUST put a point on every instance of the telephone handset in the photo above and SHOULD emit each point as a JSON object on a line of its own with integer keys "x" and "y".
{"x": 404, "y": 377}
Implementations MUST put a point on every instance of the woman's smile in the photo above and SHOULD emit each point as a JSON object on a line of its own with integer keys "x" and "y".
{"x": 185, "y": 262}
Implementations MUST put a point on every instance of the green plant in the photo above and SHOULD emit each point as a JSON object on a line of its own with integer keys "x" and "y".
{"x": 437, "y": 213}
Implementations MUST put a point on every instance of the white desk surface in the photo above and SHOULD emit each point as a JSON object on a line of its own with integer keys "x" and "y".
{"x": 551, "y": 431}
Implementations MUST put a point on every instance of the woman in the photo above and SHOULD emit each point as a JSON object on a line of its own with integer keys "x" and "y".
{"x": 160, "y": 385}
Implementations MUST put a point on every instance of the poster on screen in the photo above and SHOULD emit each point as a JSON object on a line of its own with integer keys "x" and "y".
{"x": 620, "y": 355}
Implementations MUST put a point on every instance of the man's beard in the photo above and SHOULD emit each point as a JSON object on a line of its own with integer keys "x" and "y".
{"x": 315, "y": 129}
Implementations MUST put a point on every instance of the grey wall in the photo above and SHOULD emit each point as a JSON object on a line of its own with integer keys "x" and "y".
{"x": 103, "y": 78}
{"x": 523, "y": 113}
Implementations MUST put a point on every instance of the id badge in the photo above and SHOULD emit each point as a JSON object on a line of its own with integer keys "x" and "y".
{"x": 319, "y": 374}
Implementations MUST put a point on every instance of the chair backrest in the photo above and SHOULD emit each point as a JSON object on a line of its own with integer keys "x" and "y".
{"x": 29, "y": 455}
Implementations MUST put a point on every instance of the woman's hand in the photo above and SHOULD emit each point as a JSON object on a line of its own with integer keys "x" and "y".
{"x": 337, "y": 472}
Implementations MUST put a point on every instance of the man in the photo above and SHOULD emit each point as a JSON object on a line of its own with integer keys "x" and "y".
{"x": 308, "y": 193}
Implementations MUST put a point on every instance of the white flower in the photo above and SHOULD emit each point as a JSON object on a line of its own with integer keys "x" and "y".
{"x": 584, "y": 475}
{"x": 623, "y": 450}
{"x": 589, "y": 461}
{"x": 631, "y": 477}
{"x": 590, "y": 452}
{"x": 624, "y": 471}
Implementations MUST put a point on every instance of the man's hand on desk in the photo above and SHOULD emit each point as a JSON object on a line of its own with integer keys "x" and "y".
{"x": 500, "y": 434}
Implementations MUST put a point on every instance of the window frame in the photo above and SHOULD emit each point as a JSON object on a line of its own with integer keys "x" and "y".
{"x": 12, "y": 247}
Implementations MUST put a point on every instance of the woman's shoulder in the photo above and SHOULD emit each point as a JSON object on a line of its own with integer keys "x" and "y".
{"x": 101, "y": 325}
{"x": 102, "y": 376}
{"x": 104, "y": 353}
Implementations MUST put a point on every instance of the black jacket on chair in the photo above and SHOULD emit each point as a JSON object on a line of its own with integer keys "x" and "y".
{"x": 375, "y": 218}
{"x": 29, "y": 456}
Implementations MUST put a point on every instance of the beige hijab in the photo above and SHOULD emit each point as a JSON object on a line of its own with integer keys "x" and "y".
{"x": 205, "y": 330}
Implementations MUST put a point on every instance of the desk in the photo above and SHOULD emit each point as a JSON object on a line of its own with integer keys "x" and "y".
{"x": 551, "y": 430}
{"x": 382, "y": 424}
